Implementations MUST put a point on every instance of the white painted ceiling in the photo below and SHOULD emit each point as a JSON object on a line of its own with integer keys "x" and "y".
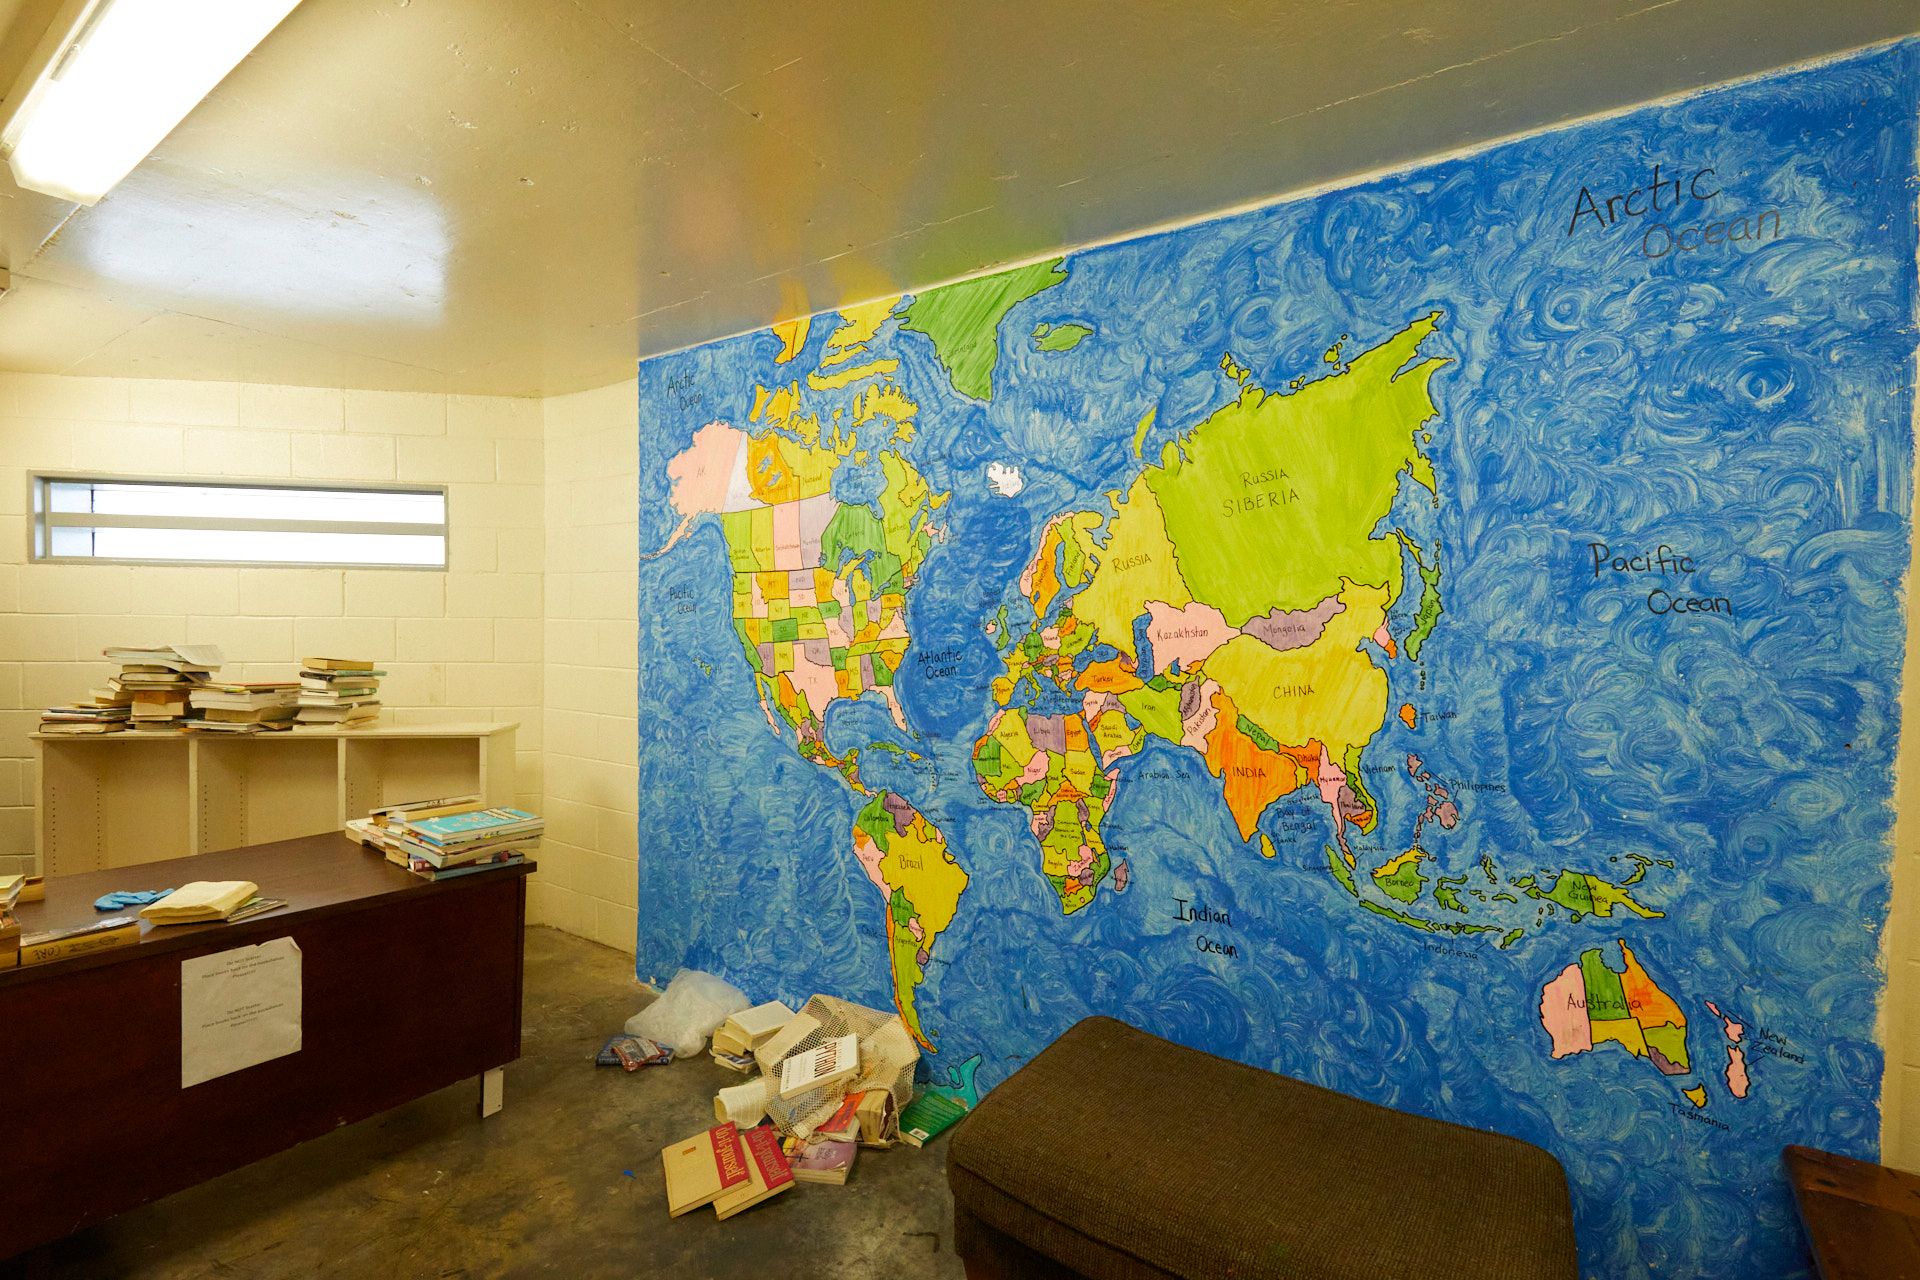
{"x": 521, "y": 196}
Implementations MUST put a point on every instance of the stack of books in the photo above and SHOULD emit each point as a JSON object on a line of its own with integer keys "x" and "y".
{"x": 735, "y": 1039}
{"x": 243, "y": 708}
{"x": 338, "y": 693}
{"x": 98, "y": 714}
{"x": 210, "y": 902}
{"x": 437, "y": 839}
{"x": 159, "y": 680}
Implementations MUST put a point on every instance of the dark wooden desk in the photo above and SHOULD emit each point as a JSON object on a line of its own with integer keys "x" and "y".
{"x": 1862, "y": 1220}
{"x": 407, "y": 987}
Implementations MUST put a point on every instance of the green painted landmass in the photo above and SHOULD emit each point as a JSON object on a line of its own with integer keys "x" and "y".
{"x": 1584, "y": 894}
{"x": 1140, "y": 432}
{"x": 1157, "y": 707}
{"x": 1312, "y": 472}
{"x": 963, "y": 320}
{"x": 1059, "y": 337}
{"x": 1427, "y": 613}
{"x": 1344, "y": 874}
{"x": 1400, "y": 877}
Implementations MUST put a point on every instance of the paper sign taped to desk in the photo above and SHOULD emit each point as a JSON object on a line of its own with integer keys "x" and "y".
{"x": 238, "y": 1008}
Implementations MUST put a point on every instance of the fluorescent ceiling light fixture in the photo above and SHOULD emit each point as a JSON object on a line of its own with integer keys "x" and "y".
{"x": 115, "y": 78}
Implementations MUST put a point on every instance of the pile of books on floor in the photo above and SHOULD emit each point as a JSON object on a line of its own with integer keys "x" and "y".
{"x": 823, "y": 1084}
{"x": 338, "y": 693}
{"x": 437, "y": 839}
{"x": 153, "y": 692}
{"x": 242, "y": 708}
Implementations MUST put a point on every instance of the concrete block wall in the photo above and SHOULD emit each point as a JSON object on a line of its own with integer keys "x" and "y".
{"x": 461, "y": 646}
{"x": 588, "y": 874}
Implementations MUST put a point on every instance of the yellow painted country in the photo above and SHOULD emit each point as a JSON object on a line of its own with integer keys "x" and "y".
{"x": 851, "y": 374}
{"x": 1329, "y": 691}
{"x": 793, "y": 336}
{"x": 1137, "y": 565}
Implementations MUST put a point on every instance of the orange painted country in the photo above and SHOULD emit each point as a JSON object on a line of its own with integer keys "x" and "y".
{"x": 1251, "y": 776}
{"x": 1115, "y": 675}
{"x": 1648, "y": 1004}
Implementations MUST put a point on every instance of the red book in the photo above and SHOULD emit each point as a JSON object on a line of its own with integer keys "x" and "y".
{"x": 844, "y": 1123}
{"x": 769, "y": 1173}
{"x": 704, "y": 1167}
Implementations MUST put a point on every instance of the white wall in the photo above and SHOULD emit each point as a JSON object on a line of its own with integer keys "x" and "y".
{"x": 464, "y": 645}
{"x": 588, "y": 874}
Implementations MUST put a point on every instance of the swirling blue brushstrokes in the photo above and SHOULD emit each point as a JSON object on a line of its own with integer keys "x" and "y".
{"x": 1749, "y": 405}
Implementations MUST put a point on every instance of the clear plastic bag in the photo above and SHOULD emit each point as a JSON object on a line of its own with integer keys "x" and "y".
{"x": 687, "y": 1012}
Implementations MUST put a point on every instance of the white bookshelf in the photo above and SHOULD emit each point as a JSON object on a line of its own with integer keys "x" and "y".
{"x": 117, "y": 799}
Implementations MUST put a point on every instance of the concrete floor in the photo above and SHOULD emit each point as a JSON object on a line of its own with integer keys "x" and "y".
{"x": 565, "y": 1182}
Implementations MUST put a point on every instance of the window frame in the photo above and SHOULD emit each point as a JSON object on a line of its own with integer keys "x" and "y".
{"x": 41, "y": 520}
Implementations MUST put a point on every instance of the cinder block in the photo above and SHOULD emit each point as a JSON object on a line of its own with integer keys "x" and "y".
{"x": 444, "y": 639}
{"x": 395, "y": 593}
{"x": 185, "y": 402}
{"x": 291, "y": 592}
{"x": 218, "y": 451}
{"x": 343, "y": 457}
{"x": 397, "y": 413}
{"x": 276, "y": 408}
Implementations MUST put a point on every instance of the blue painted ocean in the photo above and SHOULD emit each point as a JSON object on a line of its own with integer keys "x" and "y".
{"x": 1621, "y": 374}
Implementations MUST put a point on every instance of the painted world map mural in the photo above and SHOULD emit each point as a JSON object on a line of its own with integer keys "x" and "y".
{"x": 1438, "y": 638}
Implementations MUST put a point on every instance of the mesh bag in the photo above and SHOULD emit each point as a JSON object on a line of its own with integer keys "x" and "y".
{"x": 887, "y": 1059}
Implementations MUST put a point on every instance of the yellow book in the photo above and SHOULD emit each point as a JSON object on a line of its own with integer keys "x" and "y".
{"x": 118, "y": 931}
{"x": 201, "y": 901}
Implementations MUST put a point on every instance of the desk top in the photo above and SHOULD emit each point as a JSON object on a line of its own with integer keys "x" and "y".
{"x": 317, "y": 875}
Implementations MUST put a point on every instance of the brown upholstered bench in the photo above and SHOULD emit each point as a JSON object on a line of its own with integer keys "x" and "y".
{"x": 1115, "y": 1154}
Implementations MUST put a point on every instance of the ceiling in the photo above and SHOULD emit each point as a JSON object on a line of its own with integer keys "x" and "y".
{"x": 521, "y": 196}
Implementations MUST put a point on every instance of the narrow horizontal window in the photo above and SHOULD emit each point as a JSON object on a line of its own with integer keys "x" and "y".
{"x": 77, "y": 518}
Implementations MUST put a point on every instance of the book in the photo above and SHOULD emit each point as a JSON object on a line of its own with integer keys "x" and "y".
{"x": 310, "y": 714}
{"x": 460, "y": 828}
{"x": 59, "y": 944}
{"x": 177, "y": 657}
{"x": 770, "y": 1054}
{"x": 10, "y": 887}
{"x": 443, "y": 860}
{"x": 768, "y": 1174}
{"x": 247, "y": 715}
{"x": 750, "y": 1028}
{"x": 927, "y": 1117}
{"x": 361, "y": 665}
{"x": 879, "y": 1126}
{"x": 34, "y": 890}
{"x": 635, "y": 1052}
{"x": 423, "y": 808}
{"x": 254, "y": 906}
{"x": 76, "y": 728}
{"x": 819, "y": 1067}
{"x": 824, "y": 1160}
{"x": 844, "y": 1124}
{"x": 200, "y": 902}
{"x": 243, "y": 696}
{"x": 741, "y": 1062}
{"x": 702, "y": 1168}
{"x": 427, "y": 871}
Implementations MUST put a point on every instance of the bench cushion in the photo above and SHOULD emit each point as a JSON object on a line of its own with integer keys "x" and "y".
{"x": 1122, "y": 1155}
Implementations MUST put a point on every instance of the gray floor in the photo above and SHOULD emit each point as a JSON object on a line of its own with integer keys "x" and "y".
{"x": 566, "y": 1181}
